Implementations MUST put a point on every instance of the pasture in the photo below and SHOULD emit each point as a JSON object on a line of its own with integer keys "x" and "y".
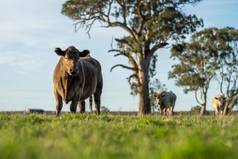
{"x": 118, "y": 136}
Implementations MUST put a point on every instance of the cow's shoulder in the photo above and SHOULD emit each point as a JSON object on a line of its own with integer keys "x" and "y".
{"x": 90, "y": 61}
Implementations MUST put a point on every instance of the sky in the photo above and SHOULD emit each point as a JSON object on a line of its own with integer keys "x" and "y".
{"x": 31, "y": 29}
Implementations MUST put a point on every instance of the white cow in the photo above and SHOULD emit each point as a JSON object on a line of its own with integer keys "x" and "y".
{"x": 166, "y": 101}
{"x": 218, "y": 103}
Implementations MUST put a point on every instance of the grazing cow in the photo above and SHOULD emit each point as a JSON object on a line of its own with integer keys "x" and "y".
{"x": 77, "y": 76}
{"x": 218, "y": 103}
{"x": 166, "y": 102}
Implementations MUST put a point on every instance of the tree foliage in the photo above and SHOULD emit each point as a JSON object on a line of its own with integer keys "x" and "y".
{"x": 197, "y": 65}
{"x": 227, "y": 75}
{"x": 149, "y": 24}
{"x": 211, "y": 53}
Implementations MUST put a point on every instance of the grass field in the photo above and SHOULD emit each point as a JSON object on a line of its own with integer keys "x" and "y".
{"x": 116, "y": 136}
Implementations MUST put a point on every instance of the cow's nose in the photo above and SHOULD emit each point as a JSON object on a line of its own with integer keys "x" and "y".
{"x": 73, "y": 71}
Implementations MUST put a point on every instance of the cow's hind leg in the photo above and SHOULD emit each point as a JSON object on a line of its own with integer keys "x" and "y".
{"x": 171, "y": 111}
{"x": 82, "y": 106}
{"x": 97, "y": 101}
{"x": 97, "y": 97}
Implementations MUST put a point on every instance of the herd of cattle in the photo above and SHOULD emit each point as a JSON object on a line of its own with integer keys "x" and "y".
{"x": 166, "y": 101}
{"x": 78, "y": 76}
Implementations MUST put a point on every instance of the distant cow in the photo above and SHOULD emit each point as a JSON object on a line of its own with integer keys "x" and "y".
{"x": 218, "y": 103}
{"x": 77, "y": 76}
{"x": 166, "y": 102}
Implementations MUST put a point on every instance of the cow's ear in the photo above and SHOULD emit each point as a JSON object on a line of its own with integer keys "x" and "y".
{"x": 163, "y": 94}
{"x": 59, "y": 52}
{"x": 84, "y": 53}
{"x": 155, "y": 95}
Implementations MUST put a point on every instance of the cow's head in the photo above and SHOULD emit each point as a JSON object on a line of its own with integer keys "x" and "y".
{"x": 159, "y": 97}
{"x": 70, "y": 58}
{"x": 220, "y": 100}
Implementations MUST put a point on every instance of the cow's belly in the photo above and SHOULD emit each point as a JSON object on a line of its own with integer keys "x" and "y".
{"x": 86, "y": 95}
{"x": 89, "y": 89}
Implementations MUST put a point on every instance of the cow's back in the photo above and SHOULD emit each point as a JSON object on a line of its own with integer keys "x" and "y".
{"x": 169, "y": 99}
{"x": 172, "y": 98}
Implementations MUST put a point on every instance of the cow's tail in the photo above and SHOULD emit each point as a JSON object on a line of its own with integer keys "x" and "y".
{"x": 91, "y": 103}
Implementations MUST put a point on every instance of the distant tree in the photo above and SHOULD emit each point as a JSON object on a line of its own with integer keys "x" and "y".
{"x": 197, "y": 65}
{"x": 149, "y": 24}
{"x": 227, "y": 76}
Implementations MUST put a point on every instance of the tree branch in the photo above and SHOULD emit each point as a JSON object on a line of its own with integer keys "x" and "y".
{"x": 156, "y": 47}
{"x": 123, "y": 66}
{"x": 135, "y": 76}
{"x": 222, "y": 78}
{"x": 124, "y": 27}
{"x": 124, "y": 10}
{"x": 196, "y": 97}
{"x": 132, "y": 61}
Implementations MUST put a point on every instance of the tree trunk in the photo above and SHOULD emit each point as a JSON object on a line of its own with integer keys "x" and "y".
{"x": 204, "y": 105}
{"x": 203, "y": 109}
{"x": 228, "y": 105}
{"x": 143, "y": 89}
{"x": 225, "y": 111}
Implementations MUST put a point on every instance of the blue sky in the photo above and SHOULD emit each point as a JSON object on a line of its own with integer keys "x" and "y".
{"x": 31, "y": 29}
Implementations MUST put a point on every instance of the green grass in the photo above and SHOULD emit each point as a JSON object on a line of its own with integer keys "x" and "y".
{"x": 107, "y": 136}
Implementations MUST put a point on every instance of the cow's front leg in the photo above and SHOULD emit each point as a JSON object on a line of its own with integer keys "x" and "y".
{"x": 73, "y": 105}
{"x": 216, "y": 111}
{"x": 161, "y": 110}
{"x": 167, "y": 111}
{"x": 221, "y": 112}
{"x": 59, "y": 103}
{"x": 82, "y": 106}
